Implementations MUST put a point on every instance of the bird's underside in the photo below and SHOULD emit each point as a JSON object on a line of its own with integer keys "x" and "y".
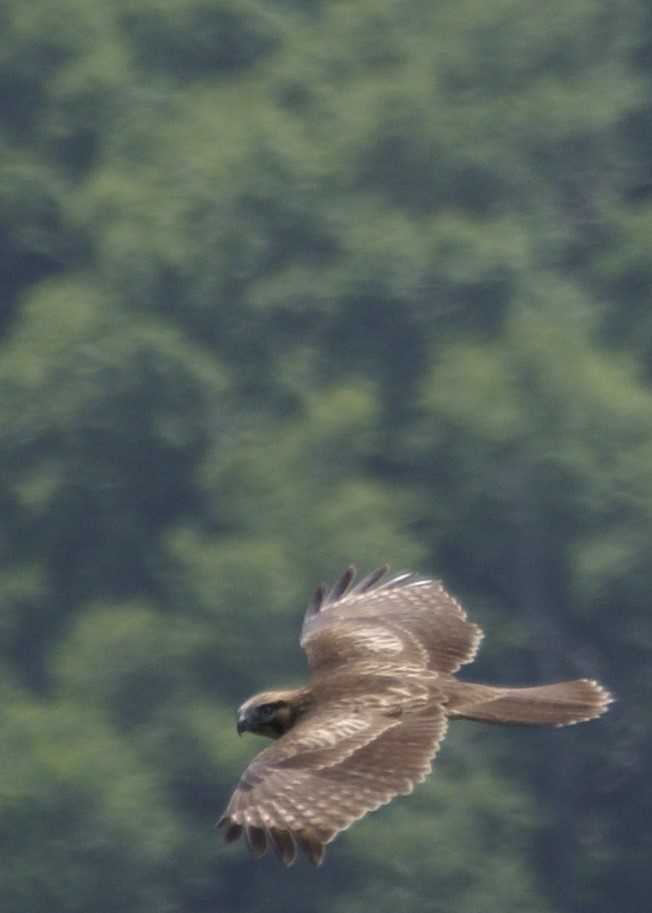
{"x": 383, "y": 653}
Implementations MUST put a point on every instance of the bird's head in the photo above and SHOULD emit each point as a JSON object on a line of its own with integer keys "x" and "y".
{"x": 270, "y": 713}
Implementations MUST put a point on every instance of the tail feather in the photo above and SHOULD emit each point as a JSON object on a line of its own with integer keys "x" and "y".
{"x": 561, "y": 704}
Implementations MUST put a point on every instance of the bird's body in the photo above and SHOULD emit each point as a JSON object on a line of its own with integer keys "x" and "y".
{"x": 383, "y": 655}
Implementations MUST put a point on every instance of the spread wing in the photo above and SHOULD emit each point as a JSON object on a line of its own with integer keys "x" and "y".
{"x": 332, "y": 768}
{"x": 404, "y": 620}
{"x": 376, "y": 649}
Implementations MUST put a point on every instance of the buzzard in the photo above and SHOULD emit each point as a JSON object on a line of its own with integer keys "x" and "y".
{"x": 383, "y": 653}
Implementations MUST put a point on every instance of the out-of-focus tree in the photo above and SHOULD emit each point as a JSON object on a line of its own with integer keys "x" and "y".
{"x": 287, "y": 285}
{"x": 546, "y": 443}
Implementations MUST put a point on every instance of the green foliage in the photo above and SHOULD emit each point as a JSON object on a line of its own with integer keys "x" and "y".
{"x": 195, "y": 39}
{"x": 287, "y": 285}
{"x": 76, "y": 810}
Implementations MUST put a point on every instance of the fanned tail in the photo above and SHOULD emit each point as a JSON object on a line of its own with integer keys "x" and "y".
{"x": 561, "y": 704}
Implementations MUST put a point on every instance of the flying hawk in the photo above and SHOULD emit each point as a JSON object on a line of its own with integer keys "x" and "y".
{"x": 382, "y": 653}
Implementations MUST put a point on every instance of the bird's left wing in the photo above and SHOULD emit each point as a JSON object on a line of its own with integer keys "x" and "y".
{"x": 404, "y": 621}
{"x": 331, "y": 769}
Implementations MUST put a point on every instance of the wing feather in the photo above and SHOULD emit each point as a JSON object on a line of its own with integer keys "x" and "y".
{"x": 375, "y": 649}
{"x": 402, "y": 620}
{"x": 309, "y": 803}
{"x": 257, "y": 840}
{"x": 341, "y": 586}
{"x": 284, "y": 845}
{"x": 370, "y": 581}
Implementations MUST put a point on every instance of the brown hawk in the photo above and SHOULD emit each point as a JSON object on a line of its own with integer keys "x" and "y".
{"x": 383, "y": 653}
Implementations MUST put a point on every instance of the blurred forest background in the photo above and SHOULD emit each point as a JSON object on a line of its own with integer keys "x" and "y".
{"x": 287, "y": 285}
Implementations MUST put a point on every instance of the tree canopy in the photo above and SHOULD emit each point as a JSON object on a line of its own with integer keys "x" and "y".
{"x": 288, "y": 285}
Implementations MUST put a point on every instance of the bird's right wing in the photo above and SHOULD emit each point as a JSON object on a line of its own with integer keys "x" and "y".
{"x": 330, "y": 770}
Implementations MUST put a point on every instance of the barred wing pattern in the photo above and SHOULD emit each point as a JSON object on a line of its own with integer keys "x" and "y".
{"x": 375, "y": 650}
{"x": 325, "y": 774}
{"x": 403, "y": 621}
{"x": 382, "y": 653}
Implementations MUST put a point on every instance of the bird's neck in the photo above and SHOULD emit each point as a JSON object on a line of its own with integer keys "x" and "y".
{"x": 299, "y": 702}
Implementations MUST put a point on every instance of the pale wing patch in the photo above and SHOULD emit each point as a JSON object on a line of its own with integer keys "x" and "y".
{"x": 347, "y": 643}
{"x": 378, "y": 640}
{"x": 340, "y": 728}
{"x": 360, "y": 639}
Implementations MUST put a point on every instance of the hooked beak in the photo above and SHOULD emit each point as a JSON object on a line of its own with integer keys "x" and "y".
{"x": 241, "y": 725}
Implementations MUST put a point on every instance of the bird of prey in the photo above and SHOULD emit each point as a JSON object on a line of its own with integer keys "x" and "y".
{"x": 383, "y": 653}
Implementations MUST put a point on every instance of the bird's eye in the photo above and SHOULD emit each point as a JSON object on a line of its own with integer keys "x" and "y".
{"x": 267, "y": 711}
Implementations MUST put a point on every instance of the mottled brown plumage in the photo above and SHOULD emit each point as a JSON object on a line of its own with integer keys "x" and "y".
{"x": 383, "y": 654}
